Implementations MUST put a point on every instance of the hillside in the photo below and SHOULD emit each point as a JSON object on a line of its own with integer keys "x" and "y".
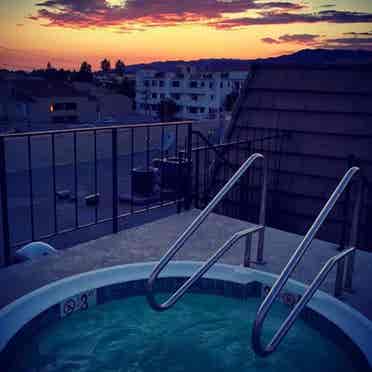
{"x": 306, "y": 56}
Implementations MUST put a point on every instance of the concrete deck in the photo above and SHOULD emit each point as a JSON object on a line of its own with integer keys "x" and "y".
{"x": 149, "y": 241}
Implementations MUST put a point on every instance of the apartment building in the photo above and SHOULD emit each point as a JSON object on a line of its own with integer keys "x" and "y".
{"x": 197, "y": 94}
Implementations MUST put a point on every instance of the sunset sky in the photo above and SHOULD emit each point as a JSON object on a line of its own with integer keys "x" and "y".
{"x": 66, "y": 32}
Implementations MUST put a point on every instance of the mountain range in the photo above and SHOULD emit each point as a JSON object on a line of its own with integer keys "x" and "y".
{"x": 305, "y": 56}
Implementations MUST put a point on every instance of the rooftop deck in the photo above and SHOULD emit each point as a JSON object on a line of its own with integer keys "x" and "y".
{"x": 149, "y": 241}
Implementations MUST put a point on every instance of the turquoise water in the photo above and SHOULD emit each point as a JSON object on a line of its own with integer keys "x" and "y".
{"x": 201, "y": 333}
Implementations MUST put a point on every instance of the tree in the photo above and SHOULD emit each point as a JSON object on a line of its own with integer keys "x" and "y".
{"x": 120, "y": 67}
{"x": 167, "y": 110}
{"x": 105, "y": 65}
{"x": 86, "y": 68}
{"x": 85, "y": 72}
{"x": 49, "y": 66}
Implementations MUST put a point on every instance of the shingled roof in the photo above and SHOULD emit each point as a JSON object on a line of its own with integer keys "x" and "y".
{"x": 328, "y": 112}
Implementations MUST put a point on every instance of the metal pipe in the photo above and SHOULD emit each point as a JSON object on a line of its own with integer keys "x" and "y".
{"x": 95, "y": 174}
{"x": 181, "y": 240}
{"x": 4, "y": 205}
{"x": 188, "y": 196}
{"x": 114, "y": 156}
{"x": 202, "y": 270}
{"x": 292, "y": 264}
{"x": 293, "y": 315}
{"x": 76, "y": 184}
{"x": 54, "y": 185}
{"x": 353, "y": 238}
{"x": 80, "y": 130}
{"x": 31, "y": 188}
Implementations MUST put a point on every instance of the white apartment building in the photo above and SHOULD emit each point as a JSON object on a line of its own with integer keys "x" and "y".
{"x": 198, "y": 95}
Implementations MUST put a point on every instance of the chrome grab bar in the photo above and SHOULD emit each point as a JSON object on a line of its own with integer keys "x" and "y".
{"x": 294, "y": 261}
{"x": 181, "y": 240}
{"x": 293, "y": 315}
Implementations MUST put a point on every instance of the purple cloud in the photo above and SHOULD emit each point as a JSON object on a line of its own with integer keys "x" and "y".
{"x": 348, "y": 41}
{"x": 98, "y": 13}
{"x": 369, "y": 33}
{"x": 276, "y": 18}
{"x": 296, "y": 38}
{"x": 299, "y": 38}
{"x": 137, "y": 15}
{"x": 358, "y": 41}
{"x": 327, "y": 5}
{"x": 270, "y": 40}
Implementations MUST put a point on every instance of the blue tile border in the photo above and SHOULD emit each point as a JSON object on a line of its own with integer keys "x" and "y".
{"x": 339, "y": 338}
{"x": 204, "y": 285}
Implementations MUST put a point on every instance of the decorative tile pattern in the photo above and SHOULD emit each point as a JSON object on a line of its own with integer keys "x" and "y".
{"x": 204, "y": 285}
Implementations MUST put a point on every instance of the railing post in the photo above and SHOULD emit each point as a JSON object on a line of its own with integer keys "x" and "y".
{"x": 262, "y": 213}
{"x": 247, "y": 251}
{"x": 339, "y": 281}
{"x": 4, "y": 205}
{"x": 353, "y": 242}
{"x": 346, "y": 206}
{"x": 248, "y": 239}
{"x": 197, "y": 173}
{"x": 188, "y": 193}
{"x": 115, "y": 198}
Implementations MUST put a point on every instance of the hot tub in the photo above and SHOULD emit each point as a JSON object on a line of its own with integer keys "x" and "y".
{"x": 100, "y": 321}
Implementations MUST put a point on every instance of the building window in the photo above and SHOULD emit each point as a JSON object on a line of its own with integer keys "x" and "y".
{"x": 153, "y": 83}
{"x": 221, "y": 84}
{"x": 154, "y": 95}
{"x": 202, "y": 84}
{"x": 212, "y": 97}
{"x": 211, "y": 85}
{"x": 202, "y": 109}
{"x": 161, "y": 83}
{"x": 69, "y": 106}
{"x": 176, "y": 96}
{"x": 193, "y": 110}
{"x": 193, "y": 84}
{"x": 162, "y": 95}
{"x": 175, "y": 84}
{"x": 194, "y": 97}
{"x": 146, "y": 83}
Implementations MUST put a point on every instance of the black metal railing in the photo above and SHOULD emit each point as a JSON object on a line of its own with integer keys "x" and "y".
{"x": 57, "y": 182}
{"x": 215, "y": 163}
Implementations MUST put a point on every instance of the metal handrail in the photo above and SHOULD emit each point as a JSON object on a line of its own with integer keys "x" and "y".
{"x": 181, "y": 240}
{"x": 94, "y": 128}
{"x": 213, "y": 148}
{"x": 294, "y": 261}
{"x": 293, "y": 315}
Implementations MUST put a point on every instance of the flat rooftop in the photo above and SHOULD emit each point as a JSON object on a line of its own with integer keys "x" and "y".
{"x": 150, "y": 241}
